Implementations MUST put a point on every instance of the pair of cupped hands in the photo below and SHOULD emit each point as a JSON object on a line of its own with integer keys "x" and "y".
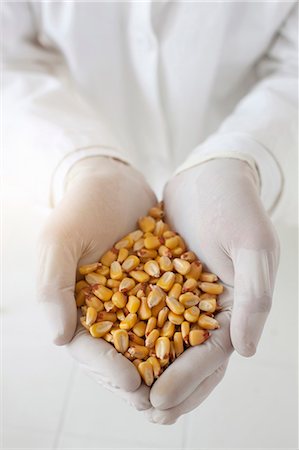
{"x": 216, "y": 208}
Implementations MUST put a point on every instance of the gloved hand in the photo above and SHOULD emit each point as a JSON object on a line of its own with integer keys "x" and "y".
{"x": 216, "y": 208}
{"x": 103, "y": 200}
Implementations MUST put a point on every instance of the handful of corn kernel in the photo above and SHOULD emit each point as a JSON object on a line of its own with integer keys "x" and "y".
{"x": 149, "y": 296}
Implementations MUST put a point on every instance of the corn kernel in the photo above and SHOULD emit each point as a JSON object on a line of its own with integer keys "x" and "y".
{"x": 208, "y": 305}
{"x": 144, "y": 311}
{"x": 166, "y": 281}
{"x": 207, "y": 322}
{"x": 189, "y": 299}
{"x": 99, "y": 329}
{"x": 162, "y": 316}
{"x": 129, "y": 322}
{"x": 84, "y": 270}
{"x": 105, "y": 315}
{"x": 133, "y": 304}
{"x": 152, "y": 268}
{"x": 122, "y": 255}
{"x": 138, "y": 351}
{"x": 162, "y": 347}
{"x": 195, "y": 270}
{"x": 102, "y": 292}
{"x": 146, "y": 371}
{"x": 130, "y": 263}
{"x": 139, "y": 275}
{"x": 151, "y": 338}
{"x": 168, "y": 329}
{"x": 151, "y": 325}
{"x": 155, "y": 365}
{"x": 178, "y": 343}
{"x": 211, "y": 288}
{"x": 91, "y": 315}
{"x": 146, "y": 223}
{"x": 155, "y": 296}
{"x": 121, "y": 340}
{"x": 80, "y": 285}
{"x": 174, "y": 305}
{"x": 119, "y": 299}
{"x": 108, "y": 257}
{"x": 95, "y": 278}
{"x": 139, "y": 328}
{"x": 197, "y": 337}
{"x": 177, "y": 319}
{"x": 192, "y": 314}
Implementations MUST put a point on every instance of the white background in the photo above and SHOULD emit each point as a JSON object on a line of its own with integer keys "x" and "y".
{"x": 48, "y": 402}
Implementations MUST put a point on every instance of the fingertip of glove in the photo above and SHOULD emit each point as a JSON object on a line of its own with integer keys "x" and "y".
{"x": 246, "y": 350}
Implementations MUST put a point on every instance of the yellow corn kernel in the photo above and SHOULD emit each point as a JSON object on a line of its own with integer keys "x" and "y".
{"x": 151, "y": 338}
{"x": 159, "y": 228}
{"x": 133, "y": 304}
{"x": 211, "y": 288}
{"x": 138, "y": 245}
{"x": 165, "y": 251}
{"x": 156, "y": 212}
{"x": 109, "y": 257}
{"x": 172, "y": 242}
{"x": 122, "y": 255}
{"x": 177, "y": 251}
{"x": 192, "y": 314}
{"x": 164, "y": 362}
{"x": 103, "y": 270}
{"x": 81, "y": 296}
{"x": 189, "y": 285}
{"x": 166, "y": 281}
{"x": 172, "y": 355}
{"x": 139, "y": 328}
{"x": 135, "y": 339}
{"x": 146, "y": 371}
{"x": 155, "y": 296}
{"x": 151, "y": 325}
{"x": 177, "y": 319}
{"x": 181, "y": 266}
{"x": 168, "y": 234}
{"x": 121, "y": 340}
{"x": 126, "y": 284}
{"x": 136, "y": 362}
{"x": 152, "y": 242}
{"x": 84, "y": 270}
{"x": 144, "y": 311}
{"x": 112, "y": 283}
{"x": 146, "y": 254}
{"x": 125, "y": 242}
{"x": 208, "y": 305}
{"x": 129, "y": 322}
{"x": 138, "y": 351}
{"x": 189, "y": 256}
{"x": 119, "y": 299}
{"x": 156, "y": 309}
{"x": 91, "y": 315}
{"x": 178, "y": 343}
{"x": 152, "y": 268}
{"x": 80, "y": 285}
{"x": 162, "y": 316}
{"x": 102, "y": 292}
{"x": 105, "y": 315}
{"x": 175, "y": 291}
{"x": 174, "y": 305}
{"x": 146, "y": 223}
{"x": 130, "y": 263}
{"x": 99, "y": 329}
{"x": 83, "y": 322}
{"x": 168, "y": 329}
{"x": 165, "y": 264}
{"x": 120, "y": 315}
{"x": 162, "y": 347}
{"x": 95, "y": 278}
{"x": 116, "y": 272}
{"x": 136, "y": 235}
{"x": 155, "y": 365}
{"x": 179, "y": 278}
{"x": 197, "y": 337}
{"x": 207, "y": 276}
{"x": 139, "y": 275}
{"x": 207, "y": 322}
{"x": 185, "y": 330}
{"x": 189, "y": 299}
{"x": 109, "y": 306}
{"x": 195, "y": 270}
{"x": 108, "y": 337}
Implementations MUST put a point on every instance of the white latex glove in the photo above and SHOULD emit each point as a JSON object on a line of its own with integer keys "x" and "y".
{"x": 103, "y": 200}
{"x": 216, "y": 208}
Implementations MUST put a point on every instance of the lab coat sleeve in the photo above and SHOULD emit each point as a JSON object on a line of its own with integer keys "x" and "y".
{"x": 47, "y": 125}
{"x": 262, "y": 129}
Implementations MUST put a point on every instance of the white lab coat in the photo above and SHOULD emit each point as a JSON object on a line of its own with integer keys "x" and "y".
{"x": 161, "y": 85}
